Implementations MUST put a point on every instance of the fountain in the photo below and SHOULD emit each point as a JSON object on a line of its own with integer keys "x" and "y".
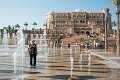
{"x": 19, "y": 53}
{"x": 71, "y": 59}
{"x": 54, "y": 48}
{"x": 4, "y": 47}
{"x": 81, "y": 61}
{"x": 41, "y": 39}
{"x": 5, "y": 39}
{"x": 71, "y": 73}
{"x": 75, "y": 50}
{"x": 14, "y": 41}
{"x": 70, "y": 52}
{"x": 89, "y": 63}
{"x": 43, "y": 47}
{"x": 89, "y": 59}
{"x": 62, "y": 48}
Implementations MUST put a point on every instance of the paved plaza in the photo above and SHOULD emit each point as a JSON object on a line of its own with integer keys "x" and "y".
{"x": 57, "y": 66}
{"x": 60, "y": 40}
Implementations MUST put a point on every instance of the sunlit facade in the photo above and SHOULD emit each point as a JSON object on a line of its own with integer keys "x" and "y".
{"x": 78, "y": 21}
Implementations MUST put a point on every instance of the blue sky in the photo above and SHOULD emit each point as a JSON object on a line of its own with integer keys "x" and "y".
{"x": 20, "y": 11}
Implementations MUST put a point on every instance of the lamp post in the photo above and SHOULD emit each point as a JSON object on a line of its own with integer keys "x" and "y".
{"x": 92, "y": 30}
{"x": 106, "y": 19}
{"x": 116, "y": 3}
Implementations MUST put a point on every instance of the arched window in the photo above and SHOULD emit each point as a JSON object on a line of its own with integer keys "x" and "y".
{"x": 57, "y": 16}
{"x": 64, "y": 16}
{"x": 84, "y": 16}
{"x": 88, "y": 33}
{"x": 78, "y": 15}
{"x": 83, "y": 21}
{"x": 73, "y": 15}
{"x": 82, "y": 32}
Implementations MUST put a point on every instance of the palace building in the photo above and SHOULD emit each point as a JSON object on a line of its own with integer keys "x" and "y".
{"x": 79, "y": 22}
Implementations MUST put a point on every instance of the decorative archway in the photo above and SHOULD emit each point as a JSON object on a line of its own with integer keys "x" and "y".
{"x": 77, "y": 32}
{"x": 88, "y": 33}
{"x": 82, "y": 32}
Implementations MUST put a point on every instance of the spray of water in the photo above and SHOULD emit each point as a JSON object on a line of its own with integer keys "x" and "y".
{"x": 5, "y": 39}
{"x": 14, "y": 39}
{"x": 19, "y": 53}
{"x": 43, "y": 46}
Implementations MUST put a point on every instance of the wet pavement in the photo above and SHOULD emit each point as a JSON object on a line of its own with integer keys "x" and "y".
{"x": 57, "y": 66}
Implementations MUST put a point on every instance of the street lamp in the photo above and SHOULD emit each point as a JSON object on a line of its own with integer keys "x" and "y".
{"x": 116, "y": 3}
{"x": 92, "y": 30}
{"x": 106, "y": 19}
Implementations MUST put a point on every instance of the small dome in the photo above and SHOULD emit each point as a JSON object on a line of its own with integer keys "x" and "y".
{"x": 106, "y": 10}
{"x": 77, "y": 10}
{"x": 50, "y": 12}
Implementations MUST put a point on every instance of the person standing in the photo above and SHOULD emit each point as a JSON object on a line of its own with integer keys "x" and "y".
{"x": 33, "y": 53}
{"x": 30, "y": 53}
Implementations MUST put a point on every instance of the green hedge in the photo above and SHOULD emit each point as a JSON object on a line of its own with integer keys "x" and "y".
{"x": 0, "y": 40}
{"x": 9, "y": 41}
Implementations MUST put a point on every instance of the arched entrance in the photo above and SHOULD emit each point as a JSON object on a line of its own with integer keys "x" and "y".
{"x": 88, "y": 33}
{"x": 82, "y": 32}
{"x": 77, "y": 32}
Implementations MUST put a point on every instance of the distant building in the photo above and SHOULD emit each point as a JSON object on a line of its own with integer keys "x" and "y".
{"x": 78, "y": 21}
{"x": 33, "y": 34}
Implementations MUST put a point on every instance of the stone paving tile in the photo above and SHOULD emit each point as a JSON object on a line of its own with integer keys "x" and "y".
{"x": 57, "y": 68}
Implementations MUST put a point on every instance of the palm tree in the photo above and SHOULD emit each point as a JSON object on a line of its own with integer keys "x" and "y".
{"x": 53, "y": 23}
{"x": 17, "y": 26}
{"x": 113, "y": 25}
{"x": 34, "y": 24}
{"x": 26, "y": 24}
{"x": 9, "y": 29}
{"x": 2, "y": 32}
{"x": 40, "y": 30}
